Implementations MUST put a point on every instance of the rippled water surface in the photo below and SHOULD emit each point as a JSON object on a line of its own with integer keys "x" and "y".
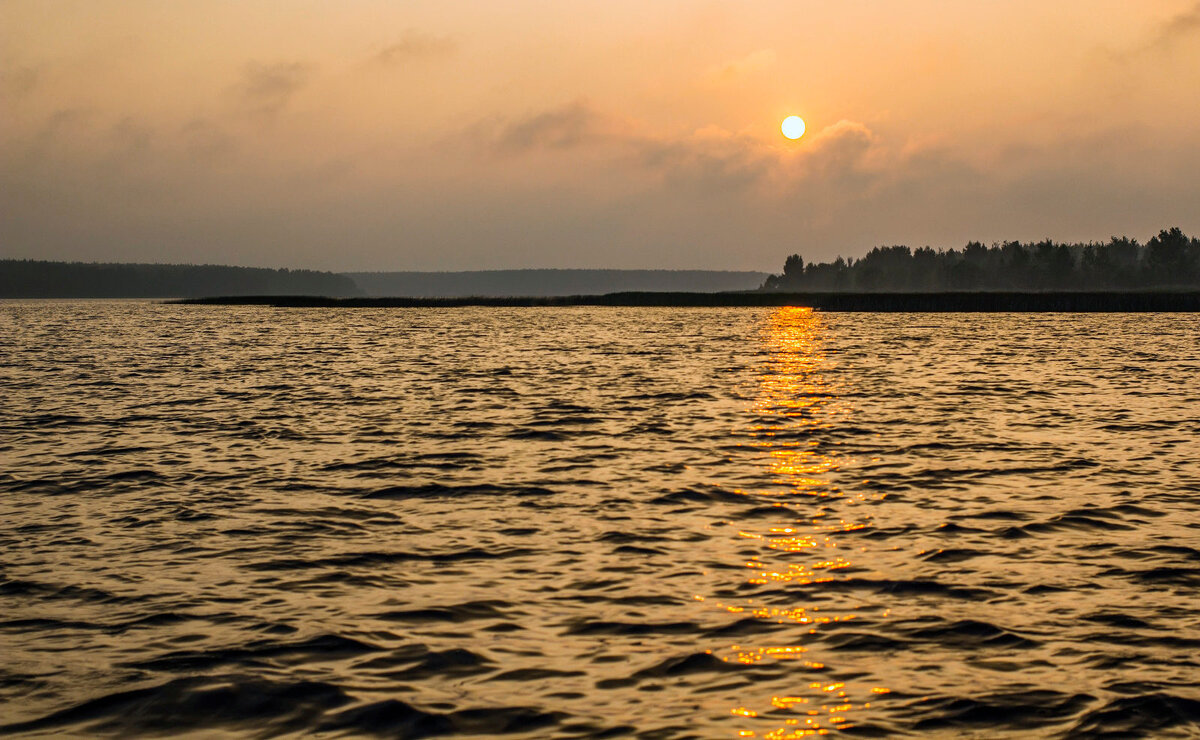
{"x": 573, "y": 522}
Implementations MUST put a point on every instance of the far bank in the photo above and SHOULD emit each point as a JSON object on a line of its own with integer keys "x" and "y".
{"x": 1066, "y": 302}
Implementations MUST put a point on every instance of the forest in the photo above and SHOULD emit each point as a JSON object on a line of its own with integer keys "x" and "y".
{"x": 41, "y": 279}
{"x": 1169, "y": 260}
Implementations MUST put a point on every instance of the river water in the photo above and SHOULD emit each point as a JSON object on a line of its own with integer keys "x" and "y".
{"x": 597, "y": 522}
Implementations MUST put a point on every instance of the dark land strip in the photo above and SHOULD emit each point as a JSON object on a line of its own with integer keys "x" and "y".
{"x": 1075, "y": 302}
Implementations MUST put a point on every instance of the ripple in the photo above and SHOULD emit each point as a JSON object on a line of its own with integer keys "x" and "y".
{"x": 596, "y": 522}
{"x": 197, "y": 703}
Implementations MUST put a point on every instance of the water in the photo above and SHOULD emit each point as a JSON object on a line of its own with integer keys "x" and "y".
{"x": 576, "y": 522}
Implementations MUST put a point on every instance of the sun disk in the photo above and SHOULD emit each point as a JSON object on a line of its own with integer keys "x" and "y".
{"x": 793, "y": 127}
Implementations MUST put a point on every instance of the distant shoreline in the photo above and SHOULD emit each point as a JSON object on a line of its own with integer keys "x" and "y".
{"x": 44, "y": 279}
{"x": 1048, "y": 302}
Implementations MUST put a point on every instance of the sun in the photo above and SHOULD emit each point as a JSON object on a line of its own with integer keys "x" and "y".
{"x": 793, "y": 127}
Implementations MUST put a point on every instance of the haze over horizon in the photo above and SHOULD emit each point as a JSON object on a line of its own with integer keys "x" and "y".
{"x": 469, "y": 136}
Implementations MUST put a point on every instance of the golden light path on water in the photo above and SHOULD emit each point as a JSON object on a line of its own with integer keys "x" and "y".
{"x": 796, "y": 400}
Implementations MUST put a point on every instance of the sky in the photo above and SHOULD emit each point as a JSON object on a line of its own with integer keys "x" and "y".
{"x": 454, "y": 135}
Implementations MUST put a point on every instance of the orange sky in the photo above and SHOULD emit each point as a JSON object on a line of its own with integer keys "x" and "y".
{"x": 464, "y": 135}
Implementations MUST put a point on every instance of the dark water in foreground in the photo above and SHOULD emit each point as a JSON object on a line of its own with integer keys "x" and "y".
{"x": 581, "y": 522}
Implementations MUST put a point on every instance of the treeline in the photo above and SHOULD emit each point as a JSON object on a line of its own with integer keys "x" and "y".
{"x": 39, "y": 279}
{"x": 534, "y": 282}
{"x": 1168, "y": 260}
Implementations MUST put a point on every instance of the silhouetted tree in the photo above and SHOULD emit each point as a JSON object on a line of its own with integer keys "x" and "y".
{"x": 1170, "y": 259}
{"x": 1167, "y": 258}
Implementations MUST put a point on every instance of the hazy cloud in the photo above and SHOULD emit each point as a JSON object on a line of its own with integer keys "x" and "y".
{"x": 266, "y": 89}
{"x": 60, "y": 134}
{"x": 842, "y": 148}
{"x": 569, "y": 126}
{"x": 710, "y": 159}
{"x": 201, "y": 138}
{"x": 414, "y": 44}
{"x": 130, "y": 137}
{"x": 61, "y": 125}
{"x": 1179, "y": 28}
{"x": 1166, "y": 37}
{"x": 17, "y": 81}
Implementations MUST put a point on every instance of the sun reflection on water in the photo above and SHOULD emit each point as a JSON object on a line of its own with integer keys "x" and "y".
{"x": 795, "y": 402}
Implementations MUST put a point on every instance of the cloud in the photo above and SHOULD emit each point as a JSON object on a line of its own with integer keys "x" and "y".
{"x": 62, "y": 127}
{"x": 720, "y": 162}
{"x": 131, "y": 137}
{"x": 266, "y": 89}
{"x": 18, "y": 81}
{"x": 844, "y": 147}
{"x": 708, "y": 160}
{"x": 1178, "y": 29}
{"x": 569, "y": 126}
{"x": 414, "y": 44}
{"x": 1166, "y": 37}
{"x": 204, "y": 139}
